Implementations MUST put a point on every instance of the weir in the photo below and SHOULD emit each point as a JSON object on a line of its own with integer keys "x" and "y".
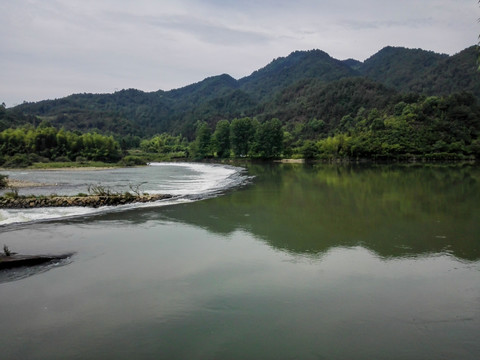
{"x": 82, "y": 201}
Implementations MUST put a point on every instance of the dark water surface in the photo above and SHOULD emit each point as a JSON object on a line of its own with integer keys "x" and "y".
{"x": 307, "y": 262}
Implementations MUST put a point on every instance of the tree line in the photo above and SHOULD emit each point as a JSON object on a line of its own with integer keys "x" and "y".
{"x": 27, "y": 144}
{"x": 242, "y": 137}
{"x": 402, "y": 127}
{"x": 431, "y": 127}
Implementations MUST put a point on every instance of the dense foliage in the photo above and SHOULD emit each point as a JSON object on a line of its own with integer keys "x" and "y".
{"x": 299, "y": 65}
{"x": 3, "y": 181}
{"x": 400, "y": 103}
{"x": 24, "y": 145}
{"x": 134, "y": 112}
{"x": 397, "y": 67}
{"x": 431, "y": 128}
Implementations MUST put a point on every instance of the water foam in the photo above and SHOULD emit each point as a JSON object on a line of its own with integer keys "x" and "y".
{"x": 191, "y": 182}
{"x": 207, "y": 179}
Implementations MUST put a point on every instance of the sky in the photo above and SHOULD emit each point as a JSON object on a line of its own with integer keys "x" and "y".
{"x": 53, "y": 48}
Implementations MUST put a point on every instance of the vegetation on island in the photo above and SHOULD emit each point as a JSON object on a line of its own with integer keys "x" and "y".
{"x": 398, "y": 104}
{"x": 98, "y": 195}
{"x": 6, "y": 251}
{"x": 3, "y": 181}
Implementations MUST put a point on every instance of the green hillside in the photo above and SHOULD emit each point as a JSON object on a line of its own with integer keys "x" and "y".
{"x": 397, "y": 67}
{"x": 424, "y": 72}
{"x": 285, "y": 71}
{"x": 456, "y": 73}
{"x": 311, "y": 96}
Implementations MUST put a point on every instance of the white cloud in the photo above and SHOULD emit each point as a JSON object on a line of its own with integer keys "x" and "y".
{"x": 52, "y": 48}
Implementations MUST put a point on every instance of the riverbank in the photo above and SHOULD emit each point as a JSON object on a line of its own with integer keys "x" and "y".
{"x": 95, "y": 201}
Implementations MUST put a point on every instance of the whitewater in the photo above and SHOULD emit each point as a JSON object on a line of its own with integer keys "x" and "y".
{"x": 186, "y": 182}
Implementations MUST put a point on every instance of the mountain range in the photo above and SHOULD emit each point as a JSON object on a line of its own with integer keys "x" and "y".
{"x": 302, "y": 86}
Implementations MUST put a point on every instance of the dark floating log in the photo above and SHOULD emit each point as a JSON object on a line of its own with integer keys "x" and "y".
{"x": 13, "y": 261}
{"x": 85, "y": 201}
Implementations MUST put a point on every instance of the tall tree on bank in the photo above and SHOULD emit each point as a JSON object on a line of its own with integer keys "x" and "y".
{"x": 202, "y": 145}
{"x": 221, "y": 139}
{"x": 242, "y": 134}
{"x": 269, "y": 139}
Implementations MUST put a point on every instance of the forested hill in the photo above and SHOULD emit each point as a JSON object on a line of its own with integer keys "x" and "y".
{"x": 299, "y": 65}
{"x": 297, "y": 89}
{"x": 424, "y": 72}
{"x": 398, "y": 67}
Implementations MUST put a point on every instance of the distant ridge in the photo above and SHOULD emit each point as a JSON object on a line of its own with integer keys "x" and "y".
{"x": 398, "y": 66}
{"x": 352, "y": 63}
{"x": 300, "y": 85}
{"x": 299, "y": 65}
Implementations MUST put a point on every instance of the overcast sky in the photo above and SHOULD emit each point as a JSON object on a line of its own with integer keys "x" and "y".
{"x": 53, "y": 48}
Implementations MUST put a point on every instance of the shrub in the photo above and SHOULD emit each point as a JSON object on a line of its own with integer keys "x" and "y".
{"x": 100, "y": 190}
{"x": 128, "y": 195}
{"x": 62, "y": 159}
{"x": 13, "y": 194}
{"x": 131, "y": 160}
{"x": 3, "y": 181}
{"x": 6, "y": 250}
{"x": 35, "y": 158}
{"x": 18, "y": 161}
{"x": 136, "y": 188}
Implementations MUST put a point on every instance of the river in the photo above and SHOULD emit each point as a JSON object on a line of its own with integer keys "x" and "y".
{"x": 265, "y": 261}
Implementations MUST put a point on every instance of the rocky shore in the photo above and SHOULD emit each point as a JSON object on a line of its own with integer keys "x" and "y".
{"x": 83, "y": 201}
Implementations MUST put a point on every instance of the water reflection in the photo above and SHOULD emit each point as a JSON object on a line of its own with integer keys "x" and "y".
{"x": 200, "y": 280}
{"x": 396, "y": 211}
{"x": 393, "y": 210}
{"x": 14, "y": 274}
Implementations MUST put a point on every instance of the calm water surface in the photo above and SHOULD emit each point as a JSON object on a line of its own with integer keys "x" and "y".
{"x": 303, "y": 262}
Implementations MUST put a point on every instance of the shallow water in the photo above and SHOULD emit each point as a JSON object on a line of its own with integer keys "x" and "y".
{"x": 185, "y": 181}
{"x": 303, "y": 262}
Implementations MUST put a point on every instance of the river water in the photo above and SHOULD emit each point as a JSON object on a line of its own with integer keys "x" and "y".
{"x": 270, "y": 261}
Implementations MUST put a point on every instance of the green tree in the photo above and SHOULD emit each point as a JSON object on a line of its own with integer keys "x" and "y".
{"x": 3, "y": 181}
{"x": 315, "y": 126}
{"x": 3, "y": 110}
{"x": 74, "y": 145}
{"x": 309, "y": 150}
{"x": 202, "y": 147}
{"x": 45, "y": 141}
{"x": 222, "y": 139}
{"x": 269, "y": 139}
{"x": 163, "y": 144}
{"x": 242, "y": 134}
{"x": 100, "y": 147}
